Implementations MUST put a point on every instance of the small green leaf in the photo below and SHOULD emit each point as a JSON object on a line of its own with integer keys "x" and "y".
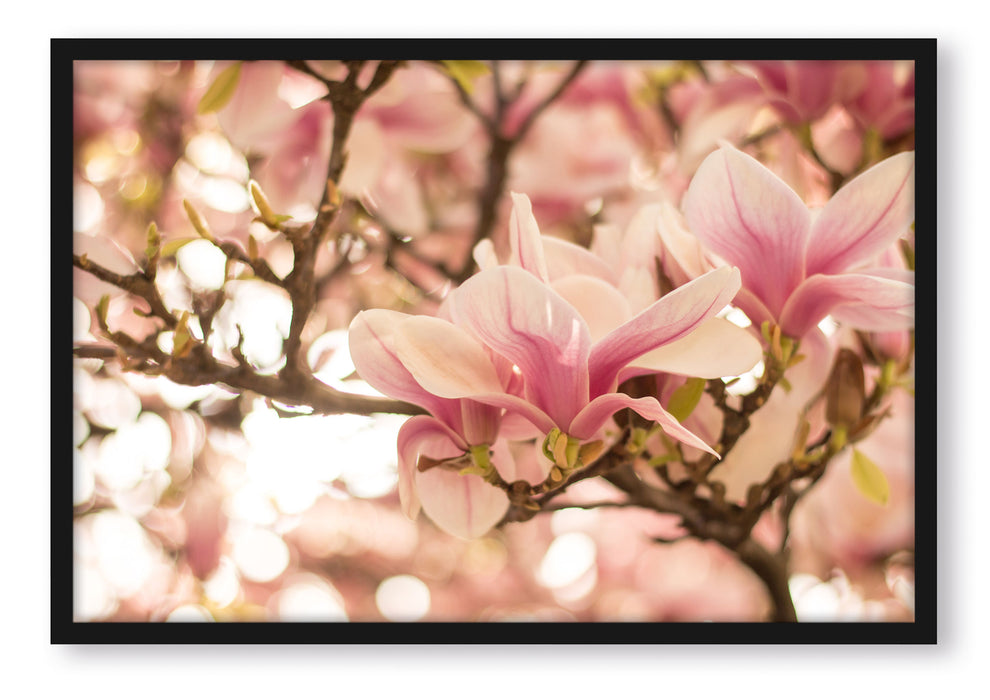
{"x": 182, "y": 338}
{"x": 101, "y": 311}
{"x": 663, "y": 459}
{"x": 464, "y": 72}
{"x": 685, "y": 398}
{"x": 172, "y": 247}
{"x": 868, "y": 478}
{"x": 219, "y": 93}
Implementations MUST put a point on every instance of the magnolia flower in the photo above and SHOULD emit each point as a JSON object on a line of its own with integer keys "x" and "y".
{"x": 887, "y": 100}
{"x": 803, "y": 91}
{"x": 799, "y": 266}
{"x": 617, "y": 279}
{"x": 460, "y": 432}
{"x": 570, "y": 381}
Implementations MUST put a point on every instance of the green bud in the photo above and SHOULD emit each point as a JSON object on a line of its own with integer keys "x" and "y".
{"x": 765, "y": 331}
{"x": 261, "y": 205}
{"x": 154, "y": 242}
{"x": 839, "y": 438}
{"x": 571, "y": 452}
{"x": 560, "y": 450}
{"x": 481, "y": 456}
{"x": 590, "y": 451}
{"x": 549, "y": 442}
{"x": 197, "y": 221}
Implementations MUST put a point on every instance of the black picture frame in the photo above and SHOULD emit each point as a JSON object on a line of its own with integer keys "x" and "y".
{"x": 64, "y": 630}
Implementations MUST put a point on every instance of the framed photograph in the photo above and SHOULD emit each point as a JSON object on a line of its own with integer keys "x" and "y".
{"x": 402, "y": 341}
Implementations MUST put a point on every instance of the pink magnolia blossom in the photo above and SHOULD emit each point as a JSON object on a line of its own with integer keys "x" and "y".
{"x": 462, "y": 504}
{"x": 887, "y": 101}
{"x": 710, "y": 113}
{"x": 802, "y": 91}
{"x": 570, "y": 381}
{"x": 615, "y": 280}
{"x": 799, "y": 266}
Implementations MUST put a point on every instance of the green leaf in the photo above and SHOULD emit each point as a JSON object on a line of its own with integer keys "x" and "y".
{"x": 464, "y": 72}
{"x": 868, "y": 478}
{"x": 101, "y": 310}
{"x": 686, "y": 397}
{"x": 219, "y": 93}
{"x": 172, "y": 247}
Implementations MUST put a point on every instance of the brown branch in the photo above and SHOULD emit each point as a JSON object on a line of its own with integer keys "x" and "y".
{"x": 500, "y": 148}
{"x": 345, "y": 98}
{"x": 199, "y": 368}
{"x": 99, "y": 352}
{"x": 549, "y": 99}
{"x": 137, "y": 284}
{"x": 258, "y": 265}
{"x": 770, "y": 568}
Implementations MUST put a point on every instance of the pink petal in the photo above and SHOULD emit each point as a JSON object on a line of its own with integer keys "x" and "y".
{"x": 521, "y": 318}
{"x": 372, "y": 343}
{"x": 747, "y": 215}
{"x": 600, "y": 304}
{"x": 606, "y": 245}
{"x": 519, "y": 410}
{"x": 530, "y": 463}
{"x": 639, "y": 286}
{"x": 256, "y": 118}
{"x": 480, "y": 422}
{"x": 516, "y": 427}
{"x": 484, "y": 254}
{"x": 724, "y": 111}
{"x": 864, "y": 217}
{"x": 670, "y": 318}
{"x": 524, "y": 238}
{"x": 754, "y": 309}
{"x": 878, "y": 301}
{"x": 639, "y": 244}
{"x": 463, "y": 505}
{"x": 444, "y": 359}
{"x": 422, "y": 435}
{"x": 682, "y": 255}
{"x": 565, "y": 258}
{"x": 595, "y": 414}
{"x": 716, "y": 348}
{"x": 505, "y": 462}
{"x": 875, "y": 318}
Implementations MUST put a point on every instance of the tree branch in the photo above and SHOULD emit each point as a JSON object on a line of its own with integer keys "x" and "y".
{"x": 500, "y": 148}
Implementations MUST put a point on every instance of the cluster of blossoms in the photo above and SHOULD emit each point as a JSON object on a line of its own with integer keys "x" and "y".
{"x": 683, "y": 287}
{"x": 534, "y": 349}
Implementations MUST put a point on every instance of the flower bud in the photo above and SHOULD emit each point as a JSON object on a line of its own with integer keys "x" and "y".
{"x": 845, "y": 392}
